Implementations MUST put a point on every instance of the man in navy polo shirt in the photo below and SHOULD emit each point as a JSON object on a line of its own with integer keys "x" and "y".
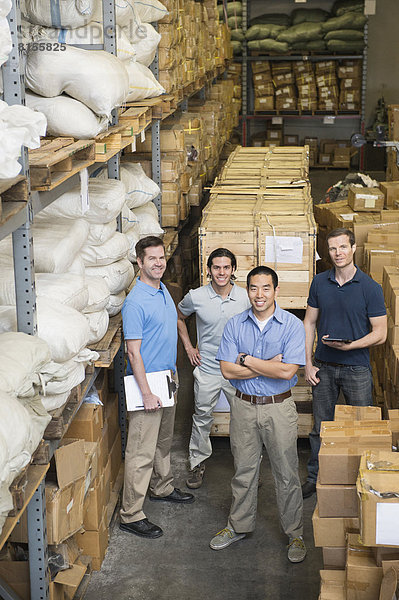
{"x": 260, "y": 352}
{"x": 150, "y": 330}
{"x": 346, "y": 304}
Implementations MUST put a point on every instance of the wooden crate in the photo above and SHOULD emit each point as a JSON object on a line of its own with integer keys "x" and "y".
{"x": 13, "y": 197}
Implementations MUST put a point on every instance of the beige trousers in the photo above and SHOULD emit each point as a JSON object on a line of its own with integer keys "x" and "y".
{"x": 147, "y": 460}
{"x": 275, "y": 426}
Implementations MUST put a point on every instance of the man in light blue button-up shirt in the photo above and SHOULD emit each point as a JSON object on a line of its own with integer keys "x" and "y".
{"x": 260, "y": 352}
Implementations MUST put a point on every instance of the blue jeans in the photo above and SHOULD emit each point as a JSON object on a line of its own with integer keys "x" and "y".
{"x": 356, "y": 384}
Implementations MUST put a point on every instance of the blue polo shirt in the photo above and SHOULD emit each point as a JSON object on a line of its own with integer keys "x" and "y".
{"x": 149, "y": 314}
{"x": 283, "y": 334}
{"x": 344, "y": 313}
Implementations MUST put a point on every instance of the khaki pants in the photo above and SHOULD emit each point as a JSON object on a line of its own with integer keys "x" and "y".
{"x": 207, "y": 388}
{"x": 147, "y": 460}
{"x": 275, "y": 426}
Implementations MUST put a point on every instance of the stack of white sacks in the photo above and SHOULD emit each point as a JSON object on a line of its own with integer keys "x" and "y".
{"x": 76, "y": 89}
{"x": 23, "y": 361}
{"x": 5, "y": 34}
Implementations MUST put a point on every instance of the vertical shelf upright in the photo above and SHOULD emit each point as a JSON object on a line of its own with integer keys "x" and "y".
{"x": 244, "y": 73}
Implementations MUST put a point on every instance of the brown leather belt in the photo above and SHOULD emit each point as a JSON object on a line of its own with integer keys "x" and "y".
{"x": 263, "y": 399}
{"x": 330, "y": 364}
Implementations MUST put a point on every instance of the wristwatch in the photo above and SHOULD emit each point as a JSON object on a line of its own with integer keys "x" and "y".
{"x": 242, "y": 359}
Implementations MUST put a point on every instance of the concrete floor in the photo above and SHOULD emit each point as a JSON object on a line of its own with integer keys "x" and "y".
{"x": 180, "y": 565}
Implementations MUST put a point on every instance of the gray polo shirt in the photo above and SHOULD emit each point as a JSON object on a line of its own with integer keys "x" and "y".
{"x": 212, "y": 314}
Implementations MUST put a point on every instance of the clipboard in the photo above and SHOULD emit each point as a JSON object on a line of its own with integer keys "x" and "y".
{"x": 161, "y": 384}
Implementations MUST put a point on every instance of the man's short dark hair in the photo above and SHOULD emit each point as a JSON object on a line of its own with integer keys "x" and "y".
{"x": 219, "y": 253}
{"x": 262, "y": 270}
{"x": 342, "y": 231}
{"x": 151, "y": 241}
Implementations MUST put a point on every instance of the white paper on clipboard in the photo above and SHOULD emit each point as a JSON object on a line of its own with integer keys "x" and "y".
{"x": 161, "y": 384}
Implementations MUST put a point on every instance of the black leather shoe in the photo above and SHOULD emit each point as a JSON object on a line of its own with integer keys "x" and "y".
{"x": 176, "y": 496}
{"x": 308, "y": 489}
{"x": 143, "y": 528}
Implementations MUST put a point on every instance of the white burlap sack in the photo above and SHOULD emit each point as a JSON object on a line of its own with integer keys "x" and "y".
{"x": 150, "y": 10}
{"x": 129, "y": 220}
{"x": 139, "y": 188}
{"x": 147, "y": 216}
{"x": 75, "y": 375}
{"x": 54, "y": 401}
{"x": 99, "y": 233}
{"x": 112, "y": 250}
{"x": 55, "y": 247}
{"x": 8, "y": 320}
{"x": 5, "y": 40}
{"x": 65, "y": 13}
{"x": 142, "y": 83}
{"x": 118, "y": 276}
{"x": 98, "y": 323}
{"x": 19, "y": 375}
{"x": 115, "y": 304}
{"x": 144, "y": 41}
{"x": 133, "y": 235}
{"x": 67, "y": 116}
{"x": 65, "y": 330}
{"x": 98, "y": 293}
{"x": 95, "y": 77}
{"x": 106, "y": 198}
{"x": 77, "y": 267}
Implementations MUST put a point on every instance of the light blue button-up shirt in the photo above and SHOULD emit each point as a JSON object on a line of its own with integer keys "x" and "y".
{"x": 283, "y": 334}
{"x": 149, "y": 315}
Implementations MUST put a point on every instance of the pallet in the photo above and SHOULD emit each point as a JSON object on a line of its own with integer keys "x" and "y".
{"x": 35, "y": 475}
{"x": 62, "y": 416}
{"x": 161, "y": 106}
{"x": 109, "y": 345}
{"x": 14, "y": 195}
{"x": 17, "y": 489}
{"x": 136, "y": 120}
{"x": 57, "y": 160}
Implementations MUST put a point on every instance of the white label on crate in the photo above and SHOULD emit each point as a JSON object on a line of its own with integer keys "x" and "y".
{"x": 347, "y": 217}
{"x": 142, "y": 137}
{"x": 387, "y": 524}
{"x": 69, "y": 506}
{"x": 329, "y": 120}
{"x": 84, "y": 190}
{"x": 369, "y": 203}
{"x": 369, "y": 7}
{"x": 283, "y": 249}
{"x": 133, "y": 144}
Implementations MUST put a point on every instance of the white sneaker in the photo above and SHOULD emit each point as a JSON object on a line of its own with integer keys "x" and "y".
{"x": 296, "y": 550}
{"x": 224, "y": 538}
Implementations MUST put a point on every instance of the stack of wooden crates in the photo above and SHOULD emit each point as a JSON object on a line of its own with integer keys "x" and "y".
{"x": 261, "y": 209}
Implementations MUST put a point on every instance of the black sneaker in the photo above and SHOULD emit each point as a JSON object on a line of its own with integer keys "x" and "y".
{"x": 308, "y": 489}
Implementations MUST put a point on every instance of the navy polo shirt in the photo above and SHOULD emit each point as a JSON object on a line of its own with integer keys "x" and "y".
{"x": 344, "y": 312}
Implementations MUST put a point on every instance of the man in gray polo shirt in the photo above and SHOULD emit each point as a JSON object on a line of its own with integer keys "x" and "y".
{"x": 213, "y": 305}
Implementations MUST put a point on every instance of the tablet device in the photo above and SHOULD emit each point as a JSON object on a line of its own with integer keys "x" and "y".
{"x": 330, "y": 339}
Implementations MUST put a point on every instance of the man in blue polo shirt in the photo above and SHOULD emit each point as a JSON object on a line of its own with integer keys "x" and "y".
{"x": 150, "y": 330}
{"x": 260, "y": 352}
{"x": 347, "y": 305}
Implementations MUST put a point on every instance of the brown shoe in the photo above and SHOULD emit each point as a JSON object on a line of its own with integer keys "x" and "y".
{"x": 196, "y": 477}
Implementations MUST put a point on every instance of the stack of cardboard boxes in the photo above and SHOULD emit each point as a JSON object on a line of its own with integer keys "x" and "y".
{"x": 357, "y": 499}
{"x": 393, "y": 134}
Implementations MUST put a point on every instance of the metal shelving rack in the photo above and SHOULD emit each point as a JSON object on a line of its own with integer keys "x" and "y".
{"x": 248, "y": 114}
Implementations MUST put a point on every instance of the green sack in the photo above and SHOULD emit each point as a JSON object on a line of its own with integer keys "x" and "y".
{"x": 232, "y": 8}
{"x": 350, "y": 20}
{"x": 340, "y": 7}
{"x": 237, "y": 47}
{"x": 312, "y": 46}
{"x": 351, "y": 35}
{"x": 344, "y": 46}
{"x": 237, "y": 35}
{"x": 268, "y": 45}
{"x": 273, "y": 18}
{"x": 234, "y": 22}
{"x": 309, "y": 15}
{"x": 301, "y": 33}
{"x": 262, "y": 32}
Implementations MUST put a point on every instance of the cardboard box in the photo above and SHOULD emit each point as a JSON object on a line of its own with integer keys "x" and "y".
{"x": 362, "y": 433}
{"x": 325, "y": 159}
{"x": 87, "y": 423}
{"x": 111, "y": 416}
{"x": 337, "y": 500}
{"x": 365, "y": 199}
{"x": 345, "y": 412}
{"x": 91, "y": 463}
{"x": 334, "y": 557}
{"x": 264, "y": 103}
{"x": 390, "y": 189}
{"x": 339, "y": 465}
{"x": 332, "y": 531}
{"x": 378, "y": 491}
{"x": 385, "y": 554}
{"x": 363, "y": 577}
{"x": 70, "y": 580}
{"x": 69, "y": 462}
{"x": 103, "y": 451}
{"x": 332, "y": 585}
{"x": 393, "y": 415}
{"x": 291, "y": 140}
{"x": 107, "y": 481}
{"x": 116, "y": 457}
{"x": 94, "y": 504}
{"x": 95, "y": 543}
{"x": 64, "y": 510}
